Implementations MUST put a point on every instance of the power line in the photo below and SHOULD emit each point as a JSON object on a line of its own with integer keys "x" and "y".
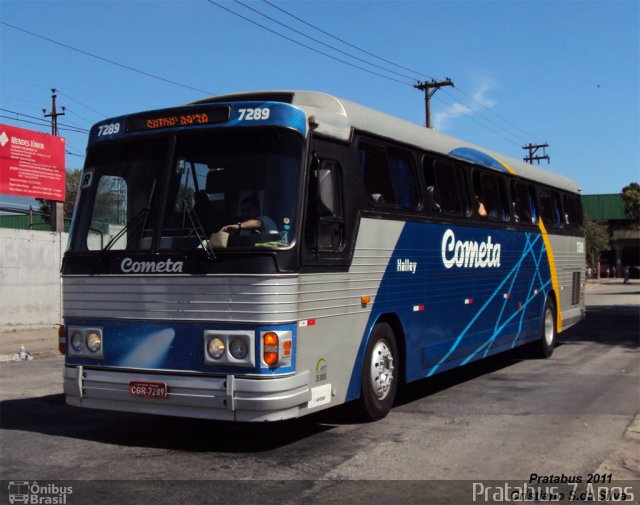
{"x": 471, "y": 97}
{"x": 323, "y": 43}
{"x": 101, "y": 114}
{"x": 45, "y": 123}
{"x": 107, "y": 60}
{"x": 485, "y": 118}
{"x": 465, "y": 113}
{"x": 342, "y": 40}
{"x": 527, "y": 134}
{"x": 305, "y": 45}
{"x": 74, "y": 154}
{"x": 39, "y": 123}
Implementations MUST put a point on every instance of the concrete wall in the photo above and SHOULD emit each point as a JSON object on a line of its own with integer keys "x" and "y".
{"x": 30, "y": 293}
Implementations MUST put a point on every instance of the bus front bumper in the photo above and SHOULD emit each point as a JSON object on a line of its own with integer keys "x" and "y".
{"x": 228, "y": 398}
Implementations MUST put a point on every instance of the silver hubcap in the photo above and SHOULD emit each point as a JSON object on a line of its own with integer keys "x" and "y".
{"x": 381, "y": 369}
{"x": 548, "y": 327}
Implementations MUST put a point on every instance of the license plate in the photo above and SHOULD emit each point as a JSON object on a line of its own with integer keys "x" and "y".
{"x": 141, "y": 389}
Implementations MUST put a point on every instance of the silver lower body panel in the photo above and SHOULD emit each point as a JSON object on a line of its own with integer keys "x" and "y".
{"x": 226, "y": 398}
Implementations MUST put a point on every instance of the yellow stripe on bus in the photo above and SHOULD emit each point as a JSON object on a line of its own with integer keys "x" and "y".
{"x": 509, "y": 169}
{"x": 554, "y": 273}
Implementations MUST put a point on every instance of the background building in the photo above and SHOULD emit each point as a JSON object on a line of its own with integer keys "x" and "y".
{"x": 625, "y": 239}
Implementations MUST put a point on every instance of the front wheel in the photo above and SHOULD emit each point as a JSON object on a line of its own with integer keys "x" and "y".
{"x": 543, "y": 348}
{"x": 379, "y": 373}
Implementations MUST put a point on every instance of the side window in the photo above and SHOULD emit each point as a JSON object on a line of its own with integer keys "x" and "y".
{"x": 444, "y": 186}
{"x": 403, "y": 177}
{"x": 535, "y": 212}
{"x": 572, "y": 211}
{"x": 389, "y": 175}
{"x": 326, "y": 227}
{"x": 109, "y": 214}
{"x": 376, "y": 175}
{"x": 523, "y": 204}
{"x": 550, "y": 208}
{"x": 490, "y": 199}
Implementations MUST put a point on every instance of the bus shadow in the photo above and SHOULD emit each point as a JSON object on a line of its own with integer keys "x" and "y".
{"x": 615, "y": 325}
{"x": 423, "y": 388}
{"x": 49, "y": 415}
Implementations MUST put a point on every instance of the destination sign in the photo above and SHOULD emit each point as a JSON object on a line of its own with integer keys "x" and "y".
{"x": 179, "y": 118}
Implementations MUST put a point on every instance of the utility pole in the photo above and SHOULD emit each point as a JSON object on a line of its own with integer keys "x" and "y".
{"x": 533, "y": 149}
{"x": 57, "y": 208}
{"x": 429, "y": 89}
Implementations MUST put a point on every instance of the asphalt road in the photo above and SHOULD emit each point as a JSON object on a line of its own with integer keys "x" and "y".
{"x": 502, "y": 419}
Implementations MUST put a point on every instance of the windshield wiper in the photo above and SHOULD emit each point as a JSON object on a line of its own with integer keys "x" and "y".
{"x": 135, "y": 219}
{"x": 141, "y": 216}
{"x": 198, "y": 229}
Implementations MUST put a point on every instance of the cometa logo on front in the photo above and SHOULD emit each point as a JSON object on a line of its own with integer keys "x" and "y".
{"x": 469, "y": 254}
{"x": 128, "y": 266}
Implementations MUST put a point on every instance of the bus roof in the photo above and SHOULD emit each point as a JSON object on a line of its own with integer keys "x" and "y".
{"x": 338, "y": 118}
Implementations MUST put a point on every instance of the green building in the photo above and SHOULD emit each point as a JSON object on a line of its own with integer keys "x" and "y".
{"x": 625, "y": 240}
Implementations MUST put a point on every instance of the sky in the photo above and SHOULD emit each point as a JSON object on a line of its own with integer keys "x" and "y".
{"x": 566, "y": 73}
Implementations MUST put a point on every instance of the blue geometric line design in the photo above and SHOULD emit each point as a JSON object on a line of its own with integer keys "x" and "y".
{"x": 516, "y": 268}
{"x": 533, "y": 280}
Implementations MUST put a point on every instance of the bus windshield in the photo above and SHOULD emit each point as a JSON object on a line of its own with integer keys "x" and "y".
{"x": 195, "y": 191}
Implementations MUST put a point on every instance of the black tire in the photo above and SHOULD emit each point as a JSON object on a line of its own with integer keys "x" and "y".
{"x": 380, "y": 372}
{"x": 544, "y": 347}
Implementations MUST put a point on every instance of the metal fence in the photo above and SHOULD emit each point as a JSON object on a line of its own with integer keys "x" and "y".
{"x": 26, "y": 217}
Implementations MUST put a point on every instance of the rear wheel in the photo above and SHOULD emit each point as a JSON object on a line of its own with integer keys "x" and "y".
{"x": 543, "y": 348}
{"x": 379, "y": 374}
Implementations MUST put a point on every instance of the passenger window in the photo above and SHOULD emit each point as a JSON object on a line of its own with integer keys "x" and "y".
{"x": 572, "y": 211}
{"x": 375, "y": 172}
{"x": 388, "y": 176}
{"x": 523, "y": 204}
{"x": 489, "y": 196}
{"x": 402, "y": 174}
{"x": 443, "y": 187}
{"x": 550, "y": 208}
{"x": 535, "y": 213}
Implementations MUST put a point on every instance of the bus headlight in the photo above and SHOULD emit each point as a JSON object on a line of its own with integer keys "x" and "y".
{"x": 229, "y": 348}
{"x": 94, "y": 341}
{"x": 215, "y": 348}
{"x": 239, "y": 348}
{"x": 77, "y": 340}
{"x": 85, "y": 342}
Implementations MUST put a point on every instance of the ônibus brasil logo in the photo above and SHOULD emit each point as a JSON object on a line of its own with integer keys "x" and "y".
{"x": 469, "y": 254}
{"x": 41, "y": 494}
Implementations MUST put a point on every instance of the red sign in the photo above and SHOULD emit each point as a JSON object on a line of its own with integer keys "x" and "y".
{"x": 31, "y": 164}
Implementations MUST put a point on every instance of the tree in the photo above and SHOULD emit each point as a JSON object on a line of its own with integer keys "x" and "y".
{"x": 597, "y": 239}
{"x": 71, "y": 189}
{"x": 631, "y": 197}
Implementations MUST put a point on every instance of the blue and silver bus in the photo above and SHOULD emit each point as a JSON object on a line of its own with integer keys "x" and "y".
{"x": 262, "y": 256}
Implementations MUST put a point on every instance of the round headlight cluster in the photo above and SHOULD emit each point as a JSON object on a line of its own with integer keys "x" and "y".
{"x": 87, "y": 342}
{"x": 239, "y": 348}
{"x": 215, "y": 348}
